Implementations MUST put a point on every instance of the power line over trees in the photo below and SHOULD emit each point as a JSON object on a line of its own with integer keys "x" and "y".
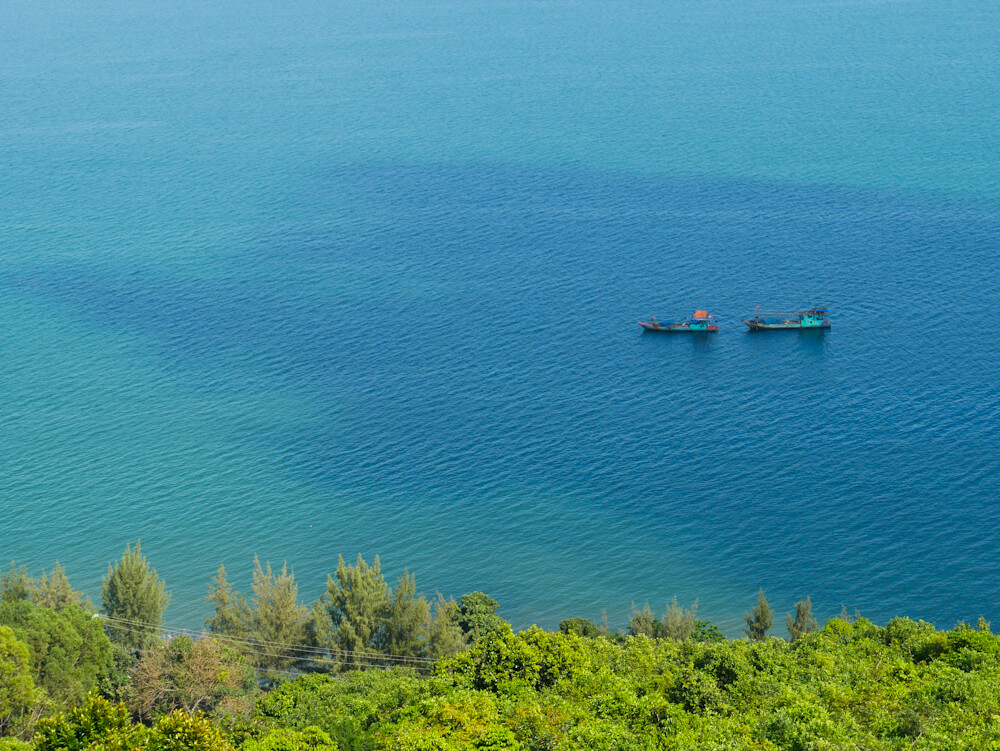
{"x": 359, "y": 620}
{"x": 193, "y": 675}
{"x": 407, "y": 621}
{"x": 803, "y": 623}
{"x": 760, "y": 619}
{"x": 133, "y": 592}
{"x": 276, "y": 615}
{"x": 270, "y": 624}
{"x": 352, "y": 614}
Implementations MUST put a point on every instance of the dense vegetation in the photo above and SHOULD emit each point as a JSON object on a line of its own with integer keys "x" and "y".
{"x": 369, "y": 666}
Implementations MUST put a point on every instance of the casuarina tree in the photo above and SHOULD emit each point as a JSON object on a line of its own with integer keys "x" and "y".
{"x": 407, "y": 619}
{"x": 677, "y": 622}
{"x": 352, "y": 615}
{"x": 444, "y": 636}
{"x": 803, "y": 623}
{"x": 134, "y": 599}
{"x": 232, "y": 613}
{"x": 760, "y": 619}
{"x": 53, "y": 590}
{"x": 642, "y": 622}
{"x": 277, "y": 617}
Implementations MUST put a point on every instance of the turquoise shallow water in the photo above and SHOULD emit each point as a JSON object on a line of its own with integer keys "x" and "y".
{"x": 302, "y": 279}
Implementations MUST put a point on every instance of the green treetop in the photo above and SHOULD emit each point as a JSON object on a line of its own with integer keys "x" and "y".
{"x": 134, "y": 596}
{"x": 18, "y": 694}
{"x": 803, "y": 623}
{"x": 477, "y": 616}
{"x": 406, "y": 623}
{"x": 232, "y": 614}
{"x": 580, "y": 627}
{"x": 53, "y": 590}
{"x": 760, "y": 619}
{"x": 69, "y": 650}
{"x": 277, "y": 617}
{"x": 357, "y": 604}
{"x": 100, "y": 724}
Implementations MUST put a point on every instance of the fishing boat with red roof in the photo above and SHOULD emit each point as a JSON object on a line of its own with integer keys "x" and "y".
{"x": 701, "y": 322}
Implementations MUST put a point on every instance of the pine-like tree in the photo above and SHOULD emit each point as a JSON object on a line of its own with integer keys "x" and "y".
{"x": 445, "y": 637}
{"x": 642, "y": 622}
{"x": 803, "y": 623}
{"x": 357, "y": 605}
{"x": 760, "y": 619}
{"x": 277, "y": 617}
{"x": 232, "y": 614}
{"x": 406, "y": 624}
{"x": 134, "y": 596}
{"x": 54, "y": 591}
{"x": 14, "y": 584}
{"x": 677, "y": 622}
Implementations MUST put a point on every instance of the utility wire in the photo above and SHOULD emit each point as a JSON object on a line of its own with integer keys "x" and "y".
{"x": 262, "y": 642}
{"x": 305, "y": 652}
{"x": 365, "y": 659}
{"x": 283, "y": 650}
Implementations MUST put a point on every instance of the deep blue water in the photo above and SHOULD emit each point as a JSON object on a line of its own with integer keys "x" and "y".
{"x": 312, "y": 278}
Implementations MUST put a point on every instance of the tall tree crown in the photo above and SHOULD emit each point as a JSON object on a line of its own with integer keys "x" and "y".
{"x": 133, "y": 592}
{"x": 677, "y": 622}
{"x": 760, "y": 619}
{"x": 53, "y": 590}
{"x": 357, "y": 603}
{"x": 232, "y": 614}
{"x": 803, "y": 623}
{"x": 277, "y": 618}
{"x": 407, "y": 622}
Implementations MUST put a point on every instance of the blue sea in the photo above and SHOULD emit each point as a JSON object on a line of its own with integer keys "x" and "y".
{"x": 325, "y": 277}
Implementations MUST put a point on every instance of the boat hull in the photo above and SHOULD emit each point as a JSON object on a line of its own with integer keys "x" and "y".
{"x": 677, "y": 328}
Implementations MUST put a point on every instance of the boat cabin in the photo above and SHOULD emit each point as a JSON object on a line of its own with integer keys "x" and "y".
{"x": 814, "y": 317}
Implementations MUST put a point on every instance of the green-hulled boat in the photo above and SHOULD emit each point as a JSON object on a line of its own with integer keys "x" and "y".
{"x": 813, "y": 318}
